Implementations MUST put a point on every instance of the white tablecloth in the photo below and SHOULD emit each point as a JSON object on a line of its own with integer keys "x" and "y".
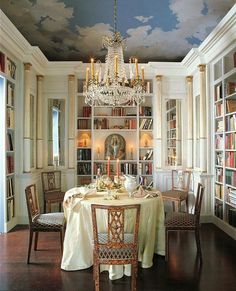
{"x": 78, "y": 242}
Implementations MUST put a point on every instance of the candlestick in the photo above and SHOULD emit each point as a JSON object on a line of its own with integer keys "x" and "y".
{"x": 108, "y": 167}
{"x": 92, "y": 68}
{"x": 117, "y": 167}
{"x": 136, "y": 65}
{"x": 142, "y": 69}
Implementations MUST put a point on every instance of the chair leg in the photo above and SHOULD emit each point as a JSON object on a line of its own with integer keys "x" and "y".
{"x": 36, "y": 240}
{"x": 186, "y": 201}
{"x": 59, "y": 206}
{"x": 30, "y": 245}
{"x": 198, "y": 243}
{"x": 96, "y": 276}
{"x": 49, "y": 207}
{"x": 44, "y": 206}
{"x": 167, "y": 245}
{"x": 134, "y": 277}
{"x": 61, "y": 239}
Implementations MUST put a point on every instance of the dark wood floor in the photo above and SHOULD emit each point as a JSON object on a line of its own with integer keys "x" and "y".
{"x": 182, "y": 272}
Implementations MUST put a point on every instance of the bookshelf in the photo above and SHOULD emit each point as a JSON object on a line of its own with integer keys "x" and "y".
{"x": 225, "y": 138}
{"x": 173, "y": 132}
{"x": 131, "y": 125}
{"x": 8, "y": 85}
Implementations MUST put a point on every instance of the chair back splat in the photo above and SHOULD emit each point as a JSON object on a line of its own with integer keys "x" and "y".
{"x": 116, "y": 243}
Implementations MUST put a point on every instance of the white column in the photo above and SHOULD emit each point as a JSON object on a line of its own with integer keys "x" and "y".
{"x": 189, "y": 80}
{"x": 203, "y": 141}
{"x": 39, "y": 162}
{"x": 71, "y": 122}
{"x": 159, "y": 121}
{"x": 26, "y": 163}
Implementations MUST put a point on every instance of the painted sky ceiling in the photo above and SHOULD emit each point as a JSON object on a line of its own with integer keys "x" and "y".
{"x": 155, "y": 30}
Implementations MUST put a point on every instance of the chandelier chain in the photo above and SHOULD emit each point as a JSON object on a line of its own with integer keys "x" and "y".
{"x": 115, "y": 16}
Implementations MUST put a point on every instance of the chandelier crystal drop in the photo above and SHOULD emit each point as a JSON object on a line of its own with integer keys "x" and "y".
{"x": 114, "y": 89}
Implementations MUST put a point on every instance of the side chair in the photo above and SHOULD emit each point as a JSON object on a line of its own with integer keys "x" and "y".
{"x": 181, "y": 221}
{"x": 179, "y": 189}
{"x": 51, "y": 182}
{"x": 49, "y": 222}
{"x": 115, "y": 246}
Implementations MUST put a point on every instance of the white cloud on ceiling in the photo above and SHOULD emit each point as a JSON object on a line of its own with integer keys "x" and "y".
{"x": 143, "y": 19}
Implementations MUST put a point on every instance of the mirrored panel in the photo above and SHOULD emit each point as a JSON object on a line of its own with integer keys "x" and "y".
{"x": 174, "y": 132}
{"x": 56, "y": 132}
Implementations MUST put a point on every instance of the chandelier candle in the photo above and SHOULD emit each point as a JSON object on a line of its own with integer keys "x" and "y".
{"x": 92, "y": 68}
{"x": 136, "y": 66}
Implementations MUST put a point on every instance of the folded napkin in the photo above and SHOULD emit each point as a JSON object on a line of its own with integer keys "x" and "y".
{"x": 143, "y": 193}
{"x": 75, "y": 195}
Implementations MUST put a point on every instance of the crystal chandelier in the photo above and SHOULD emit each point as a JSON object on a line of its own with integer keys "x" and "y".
{"x": 114, "y": 89}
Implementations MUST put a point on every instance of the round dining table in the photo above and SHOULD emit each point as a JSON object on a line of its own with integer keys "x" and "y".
{"x": 78, "y": 240}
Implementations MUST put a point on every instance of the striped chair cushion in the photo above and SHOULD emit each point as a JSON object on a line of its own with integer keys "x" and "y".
{"x": 176, "y": 194}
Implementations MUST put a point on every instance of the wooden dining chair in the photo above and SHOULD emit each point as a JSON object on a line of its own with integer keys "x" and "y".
{"x": 51, "y": 182}
{"x": 113, "y": 245}
{"x": 179, "y": 189}
{"x": 181, "y": 221}
{"x": 49, "y": 222}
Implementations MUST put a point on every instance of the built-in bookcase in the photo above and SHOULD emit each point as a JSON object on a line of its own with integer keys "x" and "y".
{"x": 134, "y": 127}
{"x": 225, "y": 138}
{"x": 8, "y": 75}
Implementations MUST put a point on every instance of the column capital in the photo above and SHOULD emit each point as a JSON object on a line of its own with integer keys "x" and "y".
{"x": 27, "y": 66}
{"x": 159, "y": 77}
{"x": 202, "y": 68}
{"x": 40, "y": 77}
{"x": 71, "y": 77}
{"x": 189, "y": 79}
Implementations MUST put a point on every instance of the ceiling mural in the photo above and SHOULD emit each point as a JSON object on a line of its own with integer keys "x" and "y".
{"x": 155, "y": 30}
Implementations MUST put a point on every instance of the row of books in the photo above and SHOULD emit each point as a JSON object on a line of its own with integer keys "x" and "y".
{"x": 10, "y": 209}
{"x": 83, "y": 154}
{"x": 171, "y": 124}
{"x": 130, "y": 124}
{"x": 10, "y": 68}
{"x": 87, "y": 111}
{"x": 231, "y": 195}
{"x": 129, "y": 168}
{"x": 146, "y": 123}
{"x": 230, "y": 123}
{"x": 83, "y": 168}
{"x": 219, "y": 109}
{"x": 10, "y": 93}
{"x": 10, "y": 118}
{"x": 171, "y": 143}
{"x": 83, "y": 124}
{"x": 145, "y": 111}
{"x": 219, "y": 209}
{"x": 145, "y": 181}
{"x": 10, "y": 164}
{"x": 230, "y": 177}
{"x": 118, "y": 111}
{"x": 9, "y": 141}
{"x": 145, "y": 169}
{"x": 10, "y": 187}
{"x": 219, "y": 191}
{"x": 230, "y": 105}
{"x": 230, "y": 159}
{"x": 101, "y": 123}
{"x": 230, "y": 141}
{"x": 230, "y": 88}
{"x": 125, "y": 168}
{"x": 170, "y": 104}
